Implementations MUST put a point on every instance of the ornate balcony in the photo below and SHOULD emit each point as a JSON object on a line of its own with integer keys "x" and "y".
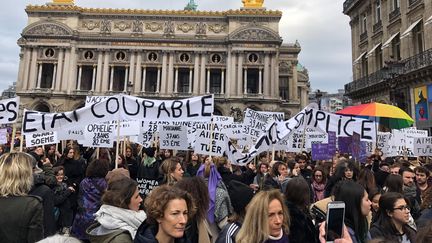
{"x": 392, "y": 71}
{"x": 394, "y": 15}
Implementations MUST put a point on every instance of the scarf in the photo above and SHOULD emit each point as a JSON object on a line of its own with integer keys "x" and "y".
{"x": 318, "y": 190}
{"x": 113, "y": 218}
{"x": 213, "y": 181}
{"x": 149, "y": 161}
{"x": 410, "y": 191}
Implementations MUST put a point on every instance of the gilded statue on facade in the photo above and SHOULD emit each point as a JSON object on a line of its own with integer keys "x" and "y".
{"x": 63, "y": 1}
{"x": 253, "y": 3}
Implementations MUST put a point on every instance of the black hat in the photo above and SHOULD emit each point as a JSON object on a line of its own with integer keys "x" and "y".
{"x": 240, "y": 195}
{"x": 150, "y": 151}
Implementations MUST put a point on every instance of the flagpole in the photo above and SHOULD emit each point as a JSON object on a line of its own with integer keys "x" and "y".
{"x": 117, "y": 143}
{"x": 13, "y": 137}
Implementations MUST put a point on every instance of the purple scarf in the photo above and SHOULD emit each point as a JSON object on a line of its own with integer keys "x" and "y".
{"x": 213, "y": 180}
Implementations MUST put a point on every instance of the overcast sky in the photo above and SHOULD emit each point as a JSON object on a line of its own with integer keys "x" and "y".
{"x": 319, "y": 25}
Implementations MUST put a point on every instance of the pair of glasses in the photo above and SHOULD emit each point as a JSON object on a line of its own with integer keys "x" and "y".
{"x": 402, "y": 208}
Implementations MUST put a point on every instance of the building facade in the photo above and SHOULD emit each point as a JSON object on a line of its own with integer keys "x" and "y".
{"x": 69, "y": 52}
{"x": 392, "y": 54}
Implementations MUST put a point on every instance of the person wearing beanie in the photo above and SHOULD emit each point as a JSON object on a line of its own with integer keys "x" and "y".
{"x": 240, "y": 195}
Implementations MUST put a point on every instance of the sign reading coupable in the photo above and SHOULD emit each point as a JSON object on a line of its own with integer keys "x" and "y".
{"x": 121, "y": 107}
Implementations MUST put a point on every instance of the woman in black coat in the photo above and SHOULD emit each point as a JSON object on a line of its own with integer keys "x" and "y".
{"x": 297, "y": 195}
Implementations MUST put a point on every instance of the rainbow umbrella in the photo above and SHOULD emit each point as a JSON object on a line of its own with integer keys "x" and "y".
{"x": 387, "y": 115}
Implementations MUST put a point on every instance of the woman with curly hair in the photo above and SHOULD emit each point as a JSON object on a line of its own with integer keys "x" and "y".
{"x": 266, "y": 219}
{"x": 168, "y": 210}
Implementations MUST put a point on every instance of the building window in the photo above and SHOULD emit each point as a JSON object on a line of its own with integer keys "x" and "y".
{"x": 377, "y": 11}
{"x": 395, "y": 5}
{"x": 395, "y": 44}
{"x": 284, "y": 88}
{"x": 49, "y": 53}
{"x": 252, "y": 80}
{"x": 86, "y": 77}
{"x": 152, "y": 56}
{"x": 364, "y": 66}
{"x": 47, "y": 75}
{"x": 119, "y": 78}
{"x": 363, "y": 28}
{"x": 88, "y": 55}
{"x": 253, "y": 58}
{"x": 378, "y": 58}
{"x": 151, "y": 79}
{"x": 184, "y": 57}
{"x": 120, "y": 56}
{"x": 215, "y": 81}
{"x": 418, "y": 38}
{"x": 216, "y": 58}
{"x": 183, "y": 80}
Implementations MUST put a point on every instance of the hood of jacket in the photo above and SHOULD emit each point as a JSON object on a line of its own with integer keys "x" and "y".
{"x": 96, "y": 233}
{"x": 147, "y": 234}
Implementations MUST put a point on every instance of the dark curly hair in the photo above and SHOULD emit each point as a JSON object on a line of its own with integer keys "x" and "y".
{"x": 157, "y": 201}
{"x": 120, "y": 192}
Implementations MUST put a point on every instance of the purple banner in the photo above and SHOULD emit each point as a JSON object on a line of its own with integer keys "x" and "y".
{"x": 332, "y": 143}
{"x": 320, "y": 151}
{"x": 344, "y": 144}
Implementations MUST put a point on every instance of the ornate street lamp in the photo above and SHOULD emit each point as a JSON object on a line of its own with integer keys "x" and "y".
{"x": 318, "y": 95}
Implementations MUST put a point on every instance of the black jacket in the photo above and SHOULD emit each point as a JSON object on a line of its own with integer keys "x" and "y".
{"x": 43, "y": 191}
{"x": 302, "y": 228}
{"x": 146, "y": 233}
{"x": 227, "y": 176}
{"x": 376, "y": 231}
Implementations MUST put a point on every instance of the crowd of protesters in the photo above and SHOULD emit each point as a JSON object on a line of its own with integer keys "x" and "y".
{"x": 92, "y": 195}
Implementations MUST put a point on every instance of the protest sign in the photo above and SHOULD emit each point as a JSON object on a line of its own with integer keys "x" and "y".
{"x": 9, "y": 110}
{"x": 224, "y": 120}
{"x": 233, "y": 130}
{"x": 124, "y": 108}
{"x": 423, "y": 146}
{"x": 383, "y": 143}
{"x": 332, "y": 143}
{"x": 344, "y": 144}
{"x": 36, "y": 139}
{"x": 145, "y": 186}
{"x": 99, "y": 135}
{"x": 315, "y": 137}
{"x": 277, "y": 116}
{"x": 72, "y": 133}
{"x": 402, "y": 145}
{"x": 173, "y": 137}
{"x": 254, "y": 123}
{"x": 296, "y": 142}
{"x": 414, "y": 133}
{"x": 3, "y": 136}
{"x": 210, "y": 142}
{"x": 320, "y": 151}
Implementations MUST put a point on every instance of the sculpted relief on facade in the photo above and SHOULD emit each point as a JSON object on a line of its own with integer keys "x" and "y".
{"x": 47, "y": 29}
{"x": 153, "y": 26}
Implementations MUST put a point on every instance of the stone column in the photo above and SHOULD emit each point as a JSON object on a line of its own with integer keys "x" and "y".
{"x": 20, "y": 77}
{"x": 176, "y": 80}
{"x": 260, "y": 81}
{"x": 170, "y": 73}
{"x": 94, "y": 78}
{"x": 266, "y": 75}
{"x": 58, "y": 78}
{"x": 164, "y": 73}
{"x": 196, "y": 74}
{"x": 240, "y": 74}
{"x": 222, "y": 81}
{"x": 276, "y": 82}
{"x": 295, "y": 81}
{"x": 98, "y": 85}
{"x": 203, "y": 73}
{"x": 190, "y": 80}
{"x": 78, "y": 87}
{"x": 228, "y": 73}
{"x": 245, "y": 81}
{"x": 273, "y": 67}
{"x": 27, "y": 69}
{"x": 38, "y": 84}
{"x": 232, "y": 84}
{"x": 73, "y": 66}
{"x": 66, "y": 71}
{"x": 126, "y": 79}
{"x": 111, "y": 80}
{"x": 54, "y": 76}
{"x": 208, "y": 81}
{"x": 138, "y": 80}
{"x": 131, "y": 76}
{"x": 144, "y": 77}
{"x": 158, "y": 80}
{"x": 106, "y": 78}
{"x": 33, "y": 69}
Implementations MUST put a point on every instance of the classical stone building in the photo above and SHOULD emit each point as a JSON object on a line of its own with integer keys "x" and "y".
{"x": 69, "y": 52}
{"x": 392, "y": 54}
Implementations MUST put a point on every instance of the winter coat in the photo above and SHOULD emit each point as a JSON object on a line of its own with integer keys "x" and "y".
{"x": 377, "y": 232}
{"x": 89, "y": 202}
{"x": 302, "y": 228}
{"x": 21, "y": 219}
{"x": 246, "y": 177}
{"x": 147, "y": 234}
{"x": 229, "y": 233}
{"x": 41, "y": 190}
{"x": 113, "y": 236}
{"x": 61, "y": 193}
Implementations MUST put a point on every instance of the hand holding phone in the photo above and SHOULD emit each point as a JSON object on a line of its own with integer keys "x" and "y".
{"x": 335, "y": 221}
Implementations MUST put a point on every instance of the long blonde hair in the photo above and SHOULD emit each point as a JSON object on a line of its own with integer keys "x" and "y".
{"x": 255, "y": 227}
{"x": 16, "y": 174}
